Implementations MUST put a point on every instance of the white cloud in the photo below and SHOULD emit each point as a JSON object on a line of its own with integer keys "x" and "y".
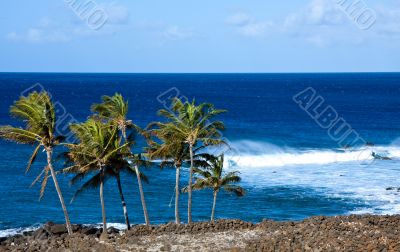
{"x": 176, "y": 33}
{"x": 247, "y": 25}
{"x": 255, "y": 29}
{"x": 150, "y": 26}
{"x": 317, "y": 12}
{"x": 318, "y": 40}
{"x": 165, "y": 32}
{"x": 325, "y": 23}
{"x": 322, "y": 23}
{"x": 239, "y": 19}
{"x": 388, "y": 21}
{"x": 116, "y": 14}
{"x": 85, "y": 31}
{"x": 12, "y": 36}
{"x": 34, "y": 35}
{"x": 109, "y": 14}
{"x": 46, "y": 22}
{"x": 345, "y": 16}
{"x": 46, "y": 30}
{"x": 98, "y": 20}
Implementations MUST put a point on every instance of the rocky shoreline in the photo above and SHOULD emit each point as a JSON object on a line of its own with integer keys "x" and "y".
{"x": 341, "y": 233}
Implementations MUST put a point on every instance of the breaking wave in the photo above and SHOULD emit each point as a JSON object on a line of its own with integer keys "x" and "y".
{"x": 261, "y": 154}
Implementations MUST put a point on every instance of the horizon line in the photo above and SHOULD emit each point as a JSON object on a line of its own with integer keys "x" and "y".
{"x": 70, "y": 72}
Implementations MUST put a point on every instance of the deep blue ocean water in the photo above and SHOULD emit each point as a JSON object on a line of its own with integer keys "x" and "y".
{"x": 290, "y": 166}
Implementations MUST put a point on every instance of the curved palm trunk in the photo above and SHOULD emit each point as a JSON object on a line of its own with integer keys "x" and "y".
{"x": 104, "y": 235}
{"x": 146, "y": 215}
{"x": 177, "y": 175}
{"x": 214, "y": 204}
{"x": 190, "y": 185}
{"x": 144, "y": 206}
{"x": 128, "y": 226}
{"x": 49, "y": 152}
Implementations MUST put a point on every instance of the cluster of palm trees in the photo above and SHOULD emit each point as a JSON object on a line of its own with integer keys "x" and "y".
{"x": 102, "y": 148}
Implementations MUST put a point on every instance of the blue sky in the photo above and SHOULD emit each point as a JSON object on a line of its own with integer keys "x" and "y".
{"x": 200, "y": 36}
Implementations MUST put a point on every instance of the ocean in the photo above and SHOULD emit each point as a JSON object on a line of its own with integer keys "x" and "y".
{"x": 291, "y": 167}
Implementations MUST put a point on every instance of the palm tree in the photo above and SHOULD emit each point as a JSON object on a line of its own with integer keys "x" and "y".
{"x": 172, "y": 154}
{"x": 37, "y": 113}
{"x": 213, "y": 177}
{"x": 116, "y": 165}
{"x": 115, "y": 109}
{"x": 98, "y": 144}
{"x": 193, "y": 125}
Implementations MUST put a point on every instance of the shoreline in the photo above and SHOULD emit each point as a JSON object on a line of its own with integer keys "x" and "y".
{"x": 339, "y": 233}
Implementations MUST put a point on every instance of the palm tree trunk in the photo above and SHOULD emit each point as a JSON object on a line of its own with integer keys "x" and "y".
{"x": 128, "y": 226}
{"x": 103, "y": 209}
{"x": 177, "y": 220}
{"x": 49, "y": 152}
{"x": 146, "y": 215}
{"x": 190, "y": 185}
{"x": 214, "y": 204}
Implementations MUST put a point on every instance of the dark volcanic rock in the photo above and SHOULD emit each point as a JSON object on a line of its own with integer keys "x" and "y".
{"x": 40, "y": 233}
{"x": 89, "y": 231}
{"x": 112, "y": 230}
{"x": 76, "y": 228}
{"x": 342, "y": 233}
{"x": 58, "y": 229}
{"x": 195, "y": 228}
{"x": 27, "y": 233}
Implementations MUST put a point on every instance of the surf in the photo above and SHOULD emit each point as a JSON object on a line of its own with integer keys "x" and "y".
{"x": 255, "y": 154}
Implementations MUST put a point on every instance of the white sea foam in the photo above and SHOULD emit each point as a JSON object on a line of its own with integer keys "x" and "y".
{"x": 256, "y": 154}
{"x": 14, "y": 231}
{"x": 346, "y": 174}
{"x": 120, "y": 226}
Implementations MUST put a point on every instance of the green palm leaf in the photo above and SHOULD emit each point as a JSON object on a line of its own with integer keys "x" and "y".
{"x": 33, "y": 157}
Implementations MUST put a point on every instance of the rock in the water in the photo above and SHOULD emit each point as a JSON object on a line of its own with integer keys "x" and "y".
{"x": 393, "y": 188}
{"x": 112, "y": 230}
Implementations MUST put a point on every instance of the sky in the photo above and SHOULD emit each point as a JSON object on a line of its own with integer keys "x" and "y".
{"x": 190, "y": 36}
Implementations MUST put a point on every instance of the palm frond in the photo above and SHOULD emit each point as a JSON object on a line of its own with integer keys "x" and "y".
{"x": 199, "y": 184}
{"x": 231, "y": 177}
{"x": 33, "y": 157}
{"x": 78, "y": 177}
{"x": 18, "y": 135}
{"x": 44, "y": 182}
{"x": 38, "y": 177}
{"x": 239, "y": 191}
{"x": 37, "y": 112}
{"x": 92, "y": 183}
